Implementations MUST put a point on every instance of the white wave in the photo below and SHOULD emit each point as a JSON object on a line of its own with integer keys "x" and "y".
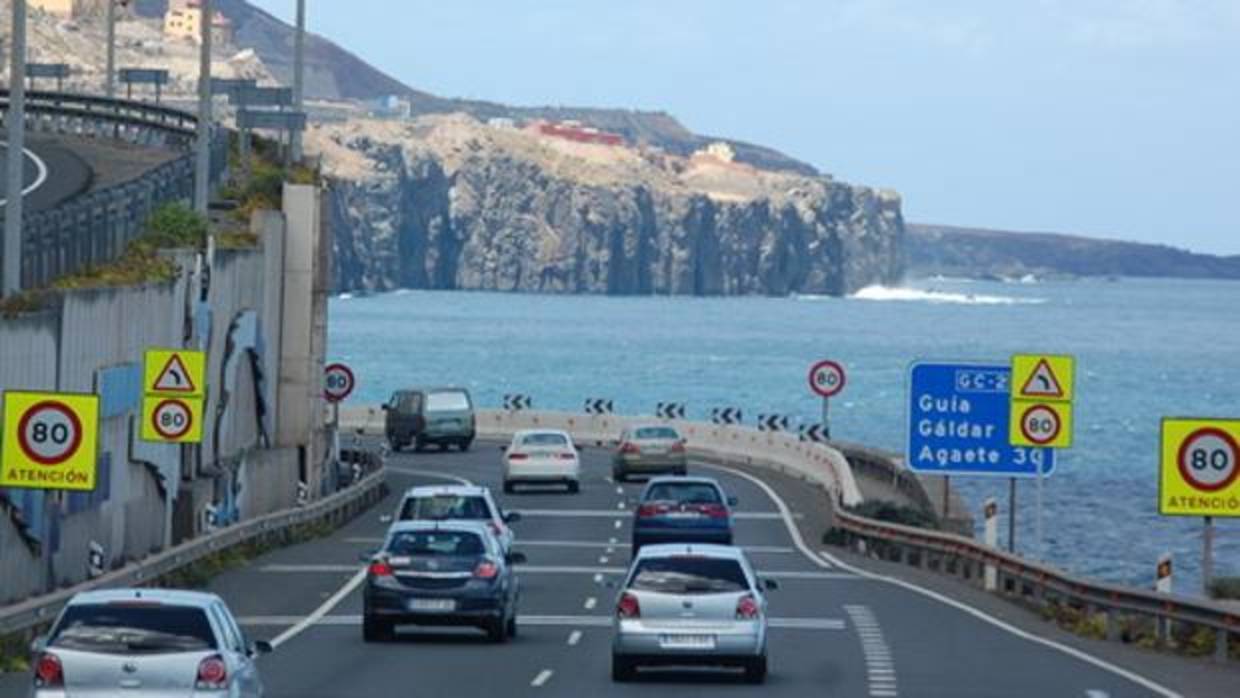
{"x": 887, "y": 293}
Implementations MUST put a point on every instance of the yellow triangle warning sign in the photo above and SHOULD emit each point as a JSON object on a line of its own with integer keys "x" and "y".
{"x": 174, "y": 377}
{"x": 1042, "y": 382}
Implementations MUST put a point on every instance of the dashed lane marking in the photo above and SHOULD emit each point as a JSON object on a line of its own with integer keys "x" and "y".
{"x": 827, "y": 560}
{"x": 574, "y": 637}
{"x": 590, "y": 603}
{"x": 543, "y": 677}
{"x": 880, "y": 668}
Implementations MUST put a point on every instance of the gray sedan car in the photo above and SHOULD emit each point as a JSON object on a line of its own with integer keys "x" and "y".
{"x": 690, "y": 604}
{"x": 647, "y": 449}
{"x": 146, "y": 642}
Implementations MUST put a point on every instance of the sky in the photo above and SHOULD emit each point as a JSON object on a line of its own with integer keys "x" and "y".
{"x": 1114, "y": 118}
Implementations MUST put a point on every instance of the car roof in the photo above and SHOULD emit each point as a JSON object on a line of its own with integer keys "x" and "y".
{"x": 729, "y": 552}
{"x": 682, "y": 480}
{"x": 178, "y": 597}
{"x": 431, "y": 389}
{"x": 441, "y": 490}
{"x": 527, "y": 432}
{"x": 651, "y": 425}
{"x": 470, "y": 525}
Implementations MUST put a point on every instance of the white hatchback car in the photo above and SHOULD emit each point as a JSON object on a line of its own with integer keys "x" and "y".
{"x": 542, "y": 456}
{"x": 456, "y": 503}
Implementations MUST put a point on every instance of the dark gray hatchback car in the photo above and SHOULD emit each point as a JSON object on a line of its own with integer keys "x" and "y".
{"x": 423, "y": 416}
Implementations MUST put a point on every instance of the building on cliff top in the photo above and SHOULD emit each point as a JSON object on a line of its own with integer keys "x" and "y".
{"x": 183, "y": 20}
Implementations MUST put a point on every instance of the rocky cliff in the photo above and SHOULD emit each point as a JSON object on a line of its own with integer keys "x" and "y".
{"x": 446, "y": 202}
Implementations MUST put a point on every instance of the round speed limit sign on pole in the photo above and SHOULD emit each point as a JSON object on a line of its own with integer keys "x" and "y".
{"x": 338, "y": 382}
{"x": 172, "y": 419}
{"x": 1200, "y": 474}
{"x": 827, "y": 378}
{"x": 50, "y": 441}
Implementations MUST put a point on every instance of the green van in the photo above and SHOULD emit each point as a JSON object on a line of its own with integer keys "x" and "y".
{"x": 422, "y": 416}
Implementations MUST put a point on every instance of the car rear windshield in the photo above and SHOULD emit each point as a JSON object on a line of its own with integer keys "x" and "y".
{"x": 689, "y": 575}
{"x": 416, "y": 543}
{"x": 446, "y": 506}
{"x": 445, "y": 400}
{"x": 544, "y": 440}
{"x": 684, "y": 493}
{"x": 655, "y": 433}
{"x": 139, "y": 627}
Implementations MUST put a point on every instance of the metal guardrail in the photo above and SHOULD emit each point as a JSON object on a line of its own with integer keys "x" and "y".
{"x": 952, "y": 554}
{"x": 95, "y": 228}
{"x": 336, "y": 508}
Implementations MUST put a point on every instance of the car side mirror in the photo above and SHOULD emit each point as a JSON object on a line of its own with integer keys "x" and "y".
{"x": 261, "y": 647}
{"x": 502, "y": 448}
{"x": 732, "y": 501}
{"x": 385, "y": 518}
{"x": 385, "y": 407}
{"x": 770, "y": 584}
{"x": 512, "y": 517}
{"x": 579, "y": 447}
{"x": 38, "y": 644}
{"x": 516, "y": 558}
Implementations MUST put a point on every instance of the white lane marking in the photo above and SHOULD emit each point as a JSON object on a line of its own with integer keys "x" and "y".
{"x": 880, "y": 668}
{"x": 590, "y": 603}
{"x": 574, "y": 637}
{"x": 598, "y": 578}
{"x": 612, "y": 541}
{"x": 543, "y": 677}
{"x": 619, "y": 523}
{"x": 828, "y": 559}
{"x": 426, "y": 473}
{"x": 568, "y": 621}
{"x": 603, "y": 559}
{"x": 620, "y": 505}
{"x": 1095, "y": 693}
{"x": 40, "y": 171}
{"x": 607, "y": 513}
{"x": 317, "y": 614}
{"x": 328, "y": 568}
{"x": 619, "y": 490}
{"x": 349, "y": 587}
{"x": 607, "y": 478}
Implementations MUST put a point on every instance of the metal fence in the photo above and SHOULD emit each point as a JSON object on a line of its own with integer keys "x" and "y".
{"x": 95, "y": 228}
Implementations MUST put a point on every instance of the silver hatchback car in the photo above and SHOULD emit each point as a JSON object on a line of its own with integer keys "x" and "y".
{"x": 146, "y": 642}
{"x": 690, "y": 604}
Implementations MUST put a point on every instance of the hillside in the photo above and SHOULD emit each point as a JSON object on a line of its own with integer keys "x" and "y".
{"x": 978, "y": 252}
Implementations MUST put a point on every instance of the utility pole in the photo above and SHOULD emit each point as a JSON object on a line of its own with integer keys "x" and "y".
{"x": 109, "y": 83}
{"x": 299, "y": 68}
{"x": 202, "y": 171}
{"x": 15, "y": 176}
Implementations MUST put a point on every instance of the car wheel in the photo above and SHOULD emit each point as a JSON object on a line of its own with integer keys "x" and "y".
{"x": 574, "y": 487}
{"x": 394, "y": 444}
{"x": 443, "y": 446}
{"x": 464, "y": 445}
{"x": 508, "y": 487}
{"x": 619, "y": 476}
{"x": 419, "y": 445}
{"x": 497, "y": 630}
{"x": 621, "y": 669}
{"x": 374, "y": 630}
{"x": 512, "y": 626}
{"x": 755, "y": 670}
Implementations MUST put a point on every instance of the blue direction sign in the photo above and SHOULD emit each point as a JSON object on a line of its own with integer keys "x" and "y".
{"x": 958, "y": 420}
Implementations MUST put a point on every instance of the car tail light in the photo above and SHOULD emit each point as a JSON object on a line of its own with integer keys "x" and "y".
{"x": 678, "y": 447}
{"x": 747, "y": 607}
{"x": 486, "y": 570}
{"x": 212, "y": 673}
{"x": 567, "y": 456}
{"x": 646, "y": 510}
{"x": 518, "y": 456}
{"x": 630, "y": 447}
{"x": 379, "y": 568}
{"x": 48, "y": 671}
{"x": 714, "y": 511}
{"x": 628, "y": 607}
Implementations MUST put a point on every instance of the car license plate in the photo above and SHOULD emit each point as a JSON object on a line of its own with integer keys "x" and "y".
{"x": 687, "y": 642}
{"x": 432, "y": 605}
{"x": 684, "y": 514}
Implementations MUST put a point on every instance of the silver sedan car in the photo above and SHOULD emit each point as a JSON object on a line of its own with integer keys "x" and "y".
{"x": 146, "y": 642}
{"x": 690, "y": 604}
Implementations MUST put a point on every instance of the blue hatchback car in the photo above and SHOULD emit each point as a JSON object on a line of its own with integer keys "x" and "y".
{"x": 681, "y": 509}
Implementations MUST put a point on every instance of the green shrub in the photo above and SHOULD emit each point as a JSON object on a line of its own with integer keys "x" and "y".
{"x": 1225, "y": 588}
{"x": 893, "y": 513}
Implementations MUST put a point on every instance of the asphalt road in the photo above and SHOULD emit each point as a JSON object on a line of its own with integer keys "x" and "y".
{"x": 835, "y": 630}
{"x": 51, "y": 173}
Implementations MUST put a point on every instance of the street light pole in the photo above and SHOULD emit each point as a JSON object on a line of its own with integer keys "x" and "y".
{"x": 299, "y": 67}
{"x": 202, "y": 170}
{"x": 15, "y": 177}
{"x": 109, "y": 84}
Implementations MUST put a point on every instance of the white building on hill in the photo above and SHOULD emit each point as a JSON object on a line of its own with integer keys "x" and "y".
{"x": 183, "y": 20}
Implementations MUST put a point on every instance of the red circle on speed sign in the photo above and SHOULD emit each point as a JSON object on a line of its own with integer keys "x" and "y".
{"x": 172, "y": 418}
{"x": 826, "y": 378}
{"x": 1040, "y": 424}
{"x": 338, "y": 382}
{"x": 49, "y": 433}
{"x": 1208, "y": 459}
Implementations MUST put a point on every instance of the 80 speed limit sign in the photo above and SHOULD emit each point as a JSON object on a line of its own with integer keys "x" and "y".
{"x": 338, "y": 382}
{"x": 172, "y": 419}
{"x": 50, "y": 441}
{"x": 1200, "y": 472}
{"x": 827, "y": 378}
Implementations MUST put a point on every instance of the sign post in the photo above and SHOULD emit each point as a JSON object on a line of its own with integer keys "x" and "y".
{"x": 991, "y": 536}
{"x": 1042, "y": 395}
{"x": 1200, "y": 476}
{"x": 958, "y": 419}
{"x": 338, "y": 383}
{"x": 827, "y": 379}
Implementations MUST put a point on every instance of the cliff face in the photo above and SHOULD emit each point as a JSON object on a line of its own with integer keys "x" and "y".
{"x": 448, "y": 203}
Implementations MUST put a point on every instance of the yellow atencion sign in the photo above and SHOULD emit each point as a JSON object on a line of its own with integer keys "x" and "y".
{"x": 1042, "y": 394}
{"x": 50, "y": 441}
{"x": 174, "y": 372}
{"x": 172, "y": 419}
{"x": 1200, "y": 464}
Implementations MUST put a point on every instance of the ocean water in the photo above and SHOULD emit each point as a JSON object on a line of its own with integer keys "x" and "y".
{"x": 1145, "y": 349}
